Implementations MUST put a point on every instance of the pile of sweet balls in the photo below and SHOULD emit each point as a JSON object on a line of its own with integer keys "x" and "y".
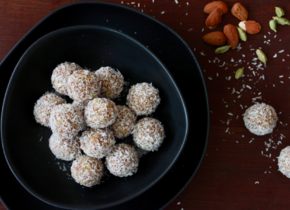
{"x": 84, "y": 131}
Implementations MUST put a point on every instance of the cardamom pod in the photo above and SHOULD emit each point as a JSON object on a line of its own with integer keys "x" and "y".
{"x": 222, "y": 49}
{"x": 282, "y": 21}
{"x": 273, "y": 25}
{"x": 242, "y": 34}
{"x": 261, "y": 55}
{"x": 279, "y": 11}
{"x": 239, "y": 73}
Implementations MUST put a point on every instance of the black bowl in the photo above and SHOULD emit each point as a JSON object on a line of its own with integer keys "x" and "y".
{"x": 25, "y": 143}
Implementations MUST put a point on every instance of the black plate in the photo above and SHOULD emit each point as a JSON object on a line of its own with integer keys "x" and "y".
{"x": 92, "y": 47}
{"x": 171, "y": 50}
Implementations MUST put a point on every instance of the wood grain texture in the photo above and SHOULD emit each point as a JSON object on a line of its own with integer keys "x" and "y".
{"x": 232, "y": 165}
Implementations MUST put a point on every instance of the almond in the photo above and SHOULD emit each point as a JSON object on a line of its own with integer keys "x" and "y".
{"x": 214, "y": 5}
{"x": 250, "y": 26}
{"x": 216, "y": 38}
{"x": 240, "y": 11}
{"x": 232, "y": 35}
{"x": 214, "y": 18}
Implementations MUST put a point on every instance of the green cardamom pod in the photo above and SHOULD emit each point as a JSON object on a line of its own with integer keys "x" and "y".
{"x": 222, "y": 49}
{"x": 239, "y": 73}
{"x": 261, "y": 55}
{"x": 282, "y": 21}
{"x": 273, "y": 25}
{"x": 242, "y": 34}
{"x": 279, "y": 11}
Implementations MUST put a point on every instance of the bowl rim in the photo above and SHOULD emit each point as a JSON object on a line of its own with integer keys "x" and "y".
{"x": 109, "y": 204}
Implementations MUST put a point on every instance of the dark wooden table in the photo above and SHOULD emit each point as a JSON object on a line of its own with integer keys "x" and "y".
{"x": 239, "y": 170}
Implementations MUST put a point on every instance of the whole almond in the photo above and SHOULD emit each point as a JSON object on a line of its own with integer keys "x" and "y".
{"x": 250, "y": 26}
{"x": 232, "y": 35}
{"x": 214, "y": 18}
{"x": 216, "y": 38}
{"x": 240, "y": 11}
{"x": 214, "y": 5}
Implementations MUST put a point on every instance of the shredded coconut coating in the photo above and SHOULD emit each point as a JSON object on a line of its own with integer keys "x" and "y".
{"x": 260, "y": 119}
{"x": 284, "y": 161}
{"x": 60, "y": 76}
{"x": 148, "y": 134}
{"x": 112, "y": 82}
{"x": 83, "y": 85}
{"x": 123, "y": 160}
{"x": 63, "y": 148}
{"x": 44, "y": 106}
{"x": 81, "y": 105}
{"x": 143, "y": 98}
{"x": 100, "y": 113}
{"x": 66, "y": 120}
{"x": 125, "y": 122}
{"x": 97, "y": 143}
{"x": 87, "y": 171}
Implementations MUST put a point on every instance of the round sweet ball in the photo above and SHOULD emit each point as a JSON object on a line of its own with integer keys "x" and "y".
{"x": 83, "y": 85}
{"x": 112, "y": 82}
{"x": 260, "y": 119}
{"x": 284, "y": 161}
{"x": 44, "y": 106}
{"x": 148, "y": 134}
{"x": 97, "y": 143}
{"x": 60, "y": 76}
{"x": 143, "y": 98}
{"x": 64, "y": 148}
{"x": 100, "y": 113}
{"x": 125, "y": 122}
{"x": 66, "y": 120}
{"x": 123, "y": 160}
{"x": 87, "y": 171}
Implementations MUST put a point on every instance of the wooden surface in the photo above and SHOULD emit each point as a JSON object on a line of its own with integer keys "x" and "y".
{"x": 234, "y": 173}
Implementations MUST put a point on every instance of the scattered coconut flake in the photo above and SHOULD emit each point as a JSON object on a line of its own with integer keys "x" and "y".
{"x": 239, "y": 47}
{"x": 202, "y": 53}
{"x": 275, "y": 56}
{"x": 233, "y": 91}
{"x": 162, "y": 12}
{"x": 222, "y": 64}
{"x": 257, "y": 182}
{"x": 281, "y": 51}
